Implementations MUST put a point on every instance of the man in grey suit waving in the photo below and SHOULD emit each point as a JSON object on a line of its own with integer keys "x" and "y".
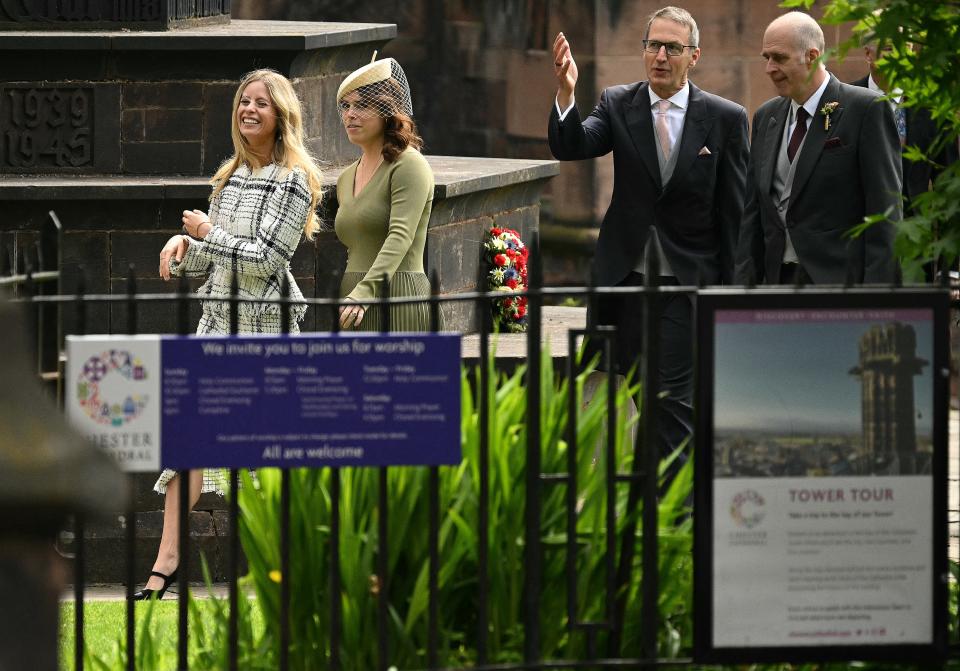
{"x": 824, "y": 155}
{"x": 679, "y": 157}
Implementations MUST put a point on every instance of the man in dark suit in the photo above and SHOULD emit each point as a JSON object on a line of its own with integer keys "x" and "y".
{"x": 916, "y": 129}
{"x": 823, "y": 156}
{"x": 679, "y": 158}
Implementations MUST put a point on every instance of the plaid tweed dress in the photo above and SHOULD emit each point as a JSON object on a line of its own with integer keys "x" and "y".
{"x": 257, "y": 220}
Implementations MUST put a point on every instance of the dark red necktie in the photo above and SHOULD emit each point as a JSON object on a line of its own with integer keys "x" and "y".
{"x": 798, "y": 132}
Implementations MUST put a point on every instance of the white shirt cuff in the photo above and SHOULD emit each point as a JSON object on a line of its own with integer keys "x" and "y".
{"x": 563, "y": 113}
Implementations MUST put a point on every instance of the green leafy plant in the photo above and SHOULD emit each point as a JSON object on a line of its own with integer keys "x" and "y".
{"x": 458, "y": 542}
{"x": 407, "y": 583}
{"x": 157, "y": 635}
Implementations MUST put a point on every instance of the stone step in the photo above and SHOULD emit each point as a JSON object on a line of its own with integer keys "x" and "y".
{"x": 118, "y": 592}
{"x": 105, "y": 548}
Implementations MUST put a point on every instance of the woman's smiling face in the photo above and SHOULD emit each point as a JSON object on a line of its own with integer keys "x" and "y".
{"x": 256, "y": 115}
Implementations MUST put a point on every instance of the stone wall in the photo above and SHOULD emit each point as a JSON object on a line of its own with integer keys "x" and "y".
{"x": 131, "y": 104}
{"x": 109, "y": 229}
{"x": 111, "y": 224}
{"x": 119, "y": 132}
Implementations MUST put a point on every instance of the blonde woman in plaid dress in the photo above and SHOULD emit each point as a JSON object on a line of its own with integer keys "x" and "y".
{"x": 264, "y": 201}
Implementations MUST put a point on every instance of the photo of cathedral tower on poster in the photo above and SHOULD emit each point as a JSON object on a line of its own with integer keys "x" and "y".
{"x": 823, "y": 392}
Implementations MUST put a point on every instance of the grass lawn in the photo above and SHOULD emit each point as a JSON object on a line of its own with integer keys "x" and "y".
{"x": 156, "y": 634}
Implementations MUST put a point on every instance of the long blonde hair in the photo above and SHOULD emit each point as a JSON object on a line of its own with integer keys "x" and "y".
{"x": 288, "y": 150}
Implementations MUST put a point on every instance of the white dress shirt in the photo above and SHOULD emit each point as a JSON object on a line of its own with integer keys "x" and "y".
{"x": 812, "y": 105}
{"x": 896, "y": 96}
{"x": 563, "y": 113}
{"x": 675, "y": 113}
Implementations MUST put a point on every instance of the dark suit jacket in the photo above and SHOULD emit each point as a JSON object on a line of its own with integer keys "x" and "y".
{"x": 921, "y": 132}
{"x": 843, "y": 174}
{"x": 697, "y": 215}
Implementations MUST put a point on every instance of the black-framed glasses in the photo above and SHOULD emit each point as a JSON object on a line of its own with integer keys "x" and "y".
{"x": 673, "y": 48}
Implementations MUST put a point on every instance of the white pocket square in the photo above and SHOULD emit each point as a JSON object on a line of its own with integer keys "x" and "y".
{"x": 704, "y": 151}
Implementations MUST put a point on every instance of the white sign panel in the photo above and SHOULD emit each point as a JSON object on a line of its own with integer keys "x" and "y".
{"x": 828, "y": 561}
{"x": 113, "y": 396}
{"x": 281, "y": 401}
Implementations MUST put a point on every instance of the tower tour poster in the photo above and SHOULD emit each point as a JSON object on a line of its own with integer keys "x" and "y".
{"x": 821, "y": 467}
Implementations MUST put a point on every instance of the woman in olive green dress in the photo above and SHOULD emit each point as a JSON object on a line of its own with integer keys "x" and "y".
{"x": 384, "y": 201}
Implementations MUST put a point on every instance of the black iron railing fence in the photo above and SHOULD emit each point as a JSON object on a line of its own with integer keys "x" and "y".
{"x": 641, "y": 480}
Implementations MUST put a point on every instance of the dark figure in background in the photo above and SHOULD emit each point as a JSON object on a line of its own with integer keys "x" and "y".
{"x": 915, "y": 128}
{"x": 680, "y": 159}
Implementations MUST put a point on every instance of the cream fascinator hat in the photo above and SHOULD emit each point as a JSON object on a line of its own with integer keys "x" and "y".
{"x": 382, "y": 87}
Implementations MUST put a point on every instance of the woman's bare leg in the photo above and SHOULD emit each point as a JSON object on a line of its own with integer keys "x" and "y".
{"x": 168, "y": 556}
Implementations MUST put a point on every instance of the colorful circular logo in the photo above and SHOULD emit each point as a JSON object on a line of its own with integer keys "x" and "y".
{"x": 103, "y": 388}
{"x": 746, "y": 508}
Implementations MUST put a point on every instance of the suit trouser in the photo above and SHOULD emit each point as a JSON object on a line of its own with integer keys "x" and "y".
{"x": 675, "y": 364}
{"x": 792, "y": 273}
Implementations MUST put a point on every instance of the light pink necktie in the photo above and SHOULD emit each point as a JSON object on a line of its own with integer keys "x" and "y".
{"x": 663, "y": 130}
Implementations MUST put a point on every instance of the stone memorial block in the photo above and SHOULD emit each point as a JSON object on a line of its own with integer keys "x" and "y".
{"x": 59, "y": 127}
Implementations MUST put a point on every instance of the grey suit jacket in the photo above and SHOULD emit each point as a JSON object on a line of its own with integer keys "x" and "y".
{"x": 697, "y": 214}
{"x": 843, "y": 174}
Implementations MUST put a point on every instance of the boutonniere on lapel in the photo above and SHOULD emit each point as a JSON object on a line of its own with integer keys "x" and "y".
{"x": 826, "y": 111}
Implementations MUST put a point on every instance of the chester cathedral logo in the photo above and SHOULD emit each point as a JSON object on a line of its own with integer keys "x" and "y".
{"x": 106, "y": 388}
{"x": 746, "y": 508}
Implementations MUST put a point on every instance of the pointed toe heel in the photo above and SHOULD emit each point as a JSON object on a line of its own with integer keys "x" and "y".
{"x": 146, "y": 594}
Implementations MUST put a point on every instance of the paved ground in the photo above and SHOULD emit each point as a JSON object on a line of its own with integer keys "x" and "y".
{"x": 557, "y": 321}
{"x": 119, "y": 592}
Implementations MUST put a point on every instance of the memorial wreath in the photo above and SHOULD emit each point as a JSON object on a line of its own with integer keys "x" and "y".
{"x": 507, "y": 256}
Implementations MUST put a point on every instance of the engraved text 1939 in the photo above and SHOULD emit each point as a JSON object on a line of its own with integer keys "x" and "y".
{"x": 45, "y": 128}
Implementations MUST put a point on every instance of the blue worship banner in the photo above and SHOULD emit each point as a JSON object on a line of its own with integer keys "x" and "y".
{"x": 310, "y": 400}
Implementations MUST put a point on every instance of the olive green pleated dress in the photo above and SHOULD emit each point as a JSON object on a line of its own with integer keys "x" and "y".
{"x": 385, "y": 229}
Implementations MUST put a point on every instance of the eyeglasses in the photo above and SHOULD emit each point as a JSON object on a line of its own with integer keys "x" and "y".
{"x": 673, "y": 48}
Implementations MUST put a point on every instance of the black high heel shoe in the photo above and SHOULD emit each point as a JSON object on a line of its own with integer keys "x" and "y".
{"x": 145, "y": 594}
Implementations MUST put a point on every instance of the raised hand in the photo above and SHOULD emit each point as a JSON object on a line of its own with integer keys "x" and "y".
{"x": 565, "y": 70}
